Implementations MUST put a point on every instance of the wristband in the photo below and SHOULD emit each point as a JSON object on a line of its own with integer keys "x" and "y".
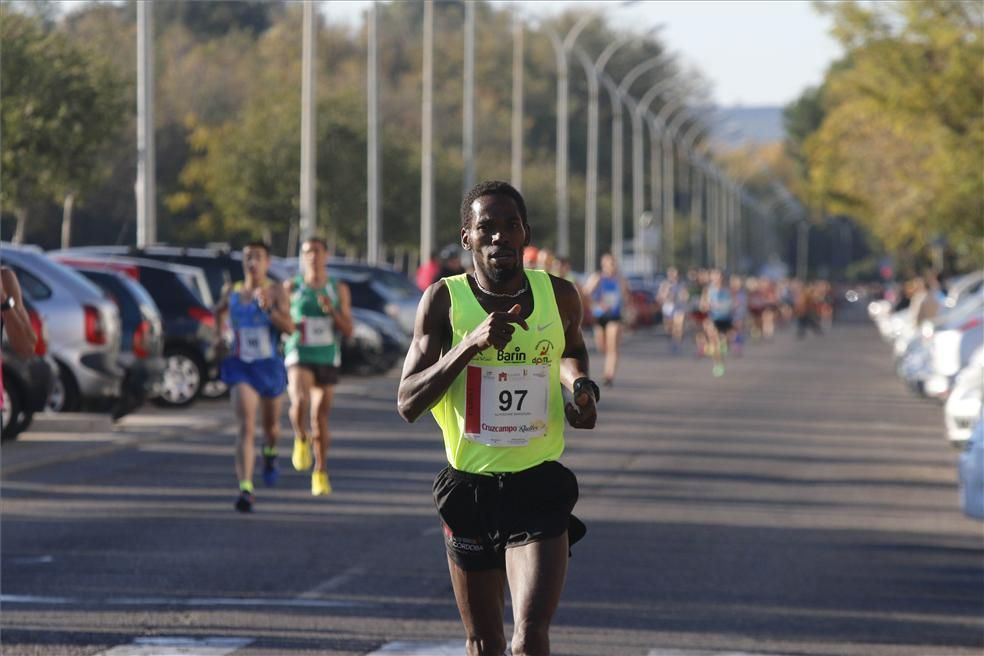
{"x": 583, "y": 382}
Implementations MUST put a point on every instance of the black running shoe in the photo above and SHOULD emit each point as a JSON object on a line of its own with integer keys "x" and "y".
{"x": 245, "y": 502}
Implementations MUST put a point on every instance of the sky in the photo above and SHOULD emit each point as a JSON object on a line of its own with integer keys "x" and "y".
{"x": 754, "y": 52}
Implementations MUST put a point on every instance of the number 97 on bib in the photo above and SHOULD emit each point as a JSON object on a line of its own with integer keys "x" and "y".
{"x": 506, "y": 406}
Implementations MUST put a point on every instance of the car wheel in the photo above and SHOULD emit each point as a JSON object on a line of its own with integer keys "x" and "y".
{"x": 183, "y": 378}
{"x": 13, "y": 408}
{"x": 64, "y": 395}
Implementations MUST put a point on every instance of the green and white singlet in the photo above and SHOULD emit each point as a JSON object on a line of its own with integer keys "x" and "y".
{"x": 314, "y": 340}
{"x": 505, "y": 411}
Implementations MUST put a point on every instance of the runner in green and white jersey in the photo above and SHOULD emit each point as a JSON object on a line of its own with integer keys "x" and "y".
{"x": 322, "y": 313}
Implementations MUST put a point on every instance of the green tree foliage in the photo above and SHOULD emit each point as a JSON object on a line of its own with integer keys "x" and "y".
{"x": 60, "y": 106}
{"x": 902, "y": 134}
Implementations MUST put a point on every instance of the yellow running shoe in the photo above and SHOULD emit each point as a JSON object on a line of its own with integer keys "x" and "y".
{"x": 320, "y": 486}
{"x": 301, "y": 458}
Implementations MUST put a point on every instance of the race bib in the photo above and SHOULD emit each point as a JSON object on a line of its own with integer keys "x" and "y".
{"x": 317, "y": 331}
{"x": 610, "y": 300}
{"x": 506, "y": 406}
{"x": 254, "y": 343}
{"x": 668, "y": 308}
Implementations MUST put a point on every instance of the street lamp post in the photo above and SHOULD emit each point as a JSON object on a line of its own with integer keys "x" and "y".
{"x": 468, "y": 111}
{"x": 517, "y": 103}
{"x": 309, "y": 148}
{"x": 427, "y": 126}
{"x": 594, "y": 71}
{"x": 146, "y": 185}
{"x": 372, "y": 140}
{"x": 561, "y": 48}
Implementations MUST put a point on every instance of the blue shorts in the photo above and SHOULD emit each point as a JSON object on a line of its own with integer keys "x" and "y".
{"x": 268, "y": 377}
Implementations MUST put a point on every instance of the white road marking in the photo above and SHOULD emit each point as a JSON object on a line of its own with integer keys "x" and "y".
{"x": 333, "y": 583}
{"x": 164, "y": 646}
{"x": 433, "y": 530}
{"x": 33, "y": 599}
{"x": 403, "y": 648}
{"x": 183, "y": 601}
{"x": 32, "y": 560}
{"x": 702, "y": 652}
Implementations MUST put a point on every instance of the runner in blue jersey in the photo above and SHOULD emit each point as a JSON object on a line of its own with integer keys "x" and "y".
{"x": 673, "y": 298}
{"x": 718, "y": 302}
{"x": 609, "y": 294}
{"x": 258, "y": 310}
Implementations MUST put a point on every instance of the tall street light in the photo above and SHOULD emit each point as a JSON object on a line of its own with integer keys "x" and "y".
{"x": 309, "y": 148}
{"x": 426, "y": 138}
{"x": 517, "y": 103}
{"x": 561, "y": 48}
{"x": 146, "y": 185}
{"x": 593, "y": 71}
{"x": 372, "y": 141}
{"x": 468, "y": 111}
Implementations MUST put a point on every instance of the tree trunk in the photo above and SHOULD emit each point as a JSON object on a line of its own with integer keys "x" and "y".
{"x": 67, "y": 209}
{"x": 21, "y": 214}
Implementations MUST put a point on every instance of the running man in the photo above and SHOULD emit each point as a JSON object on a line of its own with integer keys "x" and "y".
{"x": 321, "y": 310}
{"x": 609, "y": 294}
{"x": 258, "y": 311}
{"x": 672, "y": 297}
{"x": 491, "y": 354}
{"x": 718, "y": 303}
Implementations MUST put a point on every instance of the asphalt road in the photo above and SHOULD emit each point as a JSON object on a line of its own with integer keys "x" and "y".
{"x": 804, "y": 503}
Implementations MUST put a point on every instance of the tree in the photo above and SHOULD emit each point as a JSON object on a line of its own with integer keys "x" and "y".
{"x": 900, "y": 144}
{"x": 59, "y": 107}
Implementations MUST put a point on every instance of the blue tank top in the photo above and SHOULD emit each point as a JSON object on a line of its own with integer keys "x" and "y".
{"x": 720, "y": 302}
{"x": 607, "y": 297}
{"x": 255, "y": 337}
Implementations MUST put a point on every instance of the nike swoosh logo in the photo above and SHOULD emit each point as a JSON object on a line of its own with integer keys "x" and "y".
{"x": 544, "y": 326}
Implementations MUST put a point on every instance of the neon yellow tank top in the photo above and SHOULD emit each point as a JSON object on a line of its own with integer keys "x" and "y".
{"x": 505, "y": 411}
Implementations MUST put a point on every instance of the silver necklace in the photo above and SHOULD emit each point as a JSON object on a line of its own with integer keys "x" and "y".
{"x": 488, "y": 293}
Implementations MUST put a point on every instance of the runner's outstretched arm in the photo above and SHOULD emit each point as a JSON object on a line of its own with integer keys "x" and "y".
{"x": 574, "y": 362}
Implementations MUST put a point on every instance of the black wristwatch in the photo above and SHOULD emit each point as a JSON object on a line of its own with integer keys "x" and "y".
{"x": 9, "y": 304}
{"x": 583, "y": 382}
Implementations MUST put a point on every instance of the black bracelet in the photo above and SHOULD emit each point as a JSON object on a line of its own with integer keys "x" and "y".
{"x": 583, "y": 382}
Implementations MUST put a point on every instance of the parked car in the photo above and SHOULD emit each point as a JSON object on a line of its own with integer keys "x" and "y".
{"x": 142, "y": 337}
{"x": 376, "y": 345}
{"x": 953, "y": 338}
{"x": 182, "y": 296}
{"x": 971, "y": 472}
{"x": 220, "y": 265}
{"x": 965, "y": 401}
{"x": 27, "y": 382}
{"x": 381, "y": 289}
{"x": 83, "y": 328}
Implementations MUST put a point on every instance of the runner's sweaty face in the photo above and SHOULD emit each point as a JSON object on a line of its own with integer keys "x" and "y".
{"x": 496, "y": 236}
{"x": 314, "y": 256}
{"x": 255, "y": 262}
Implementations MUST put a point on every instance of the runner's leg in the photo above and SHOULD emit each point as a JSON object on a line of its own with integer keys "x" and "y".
{"x": 536, "y": 574}
{"x": 271, "y": 421}
{"x": 612, "y": 335}
{"x": 599, "y": 337}
{"x": 299, "y": 381}
{"x": 481, "y": 597}
{"x": 321, "y": 400}
{"x": 244, "y": 403}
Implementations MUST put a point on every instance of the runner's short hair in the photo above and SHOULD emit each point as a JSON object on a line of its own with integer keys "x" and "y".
{"x": 317, "y": 239}
{"x": 491, "y": 188}
{"x": 258, "y": 243}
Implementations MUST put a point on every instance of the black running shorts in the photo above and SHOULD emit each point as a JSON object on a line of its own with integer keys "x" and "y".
{"x": 483, "y": 515}
{"x": 324, "y": 374}
{"x": 723, "y": 325}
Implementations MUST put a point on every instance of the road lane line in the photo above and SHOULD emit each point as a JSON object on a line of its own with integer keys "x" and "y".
{"x": 332, "y": 584}
{"x": 405, "y": 648}
{"x": 703, "y": 652}
{"x": 165, "y": 646}
{"x": 182, "y": 601}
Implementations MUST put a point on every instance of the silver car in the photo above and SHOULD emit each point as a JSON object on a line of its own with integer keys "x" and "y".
{"x": 83, "y": 328}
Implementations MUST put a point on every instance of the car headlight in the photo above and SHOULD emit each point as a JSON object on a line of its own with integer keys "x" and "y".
{"x": 927, "y": 330}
